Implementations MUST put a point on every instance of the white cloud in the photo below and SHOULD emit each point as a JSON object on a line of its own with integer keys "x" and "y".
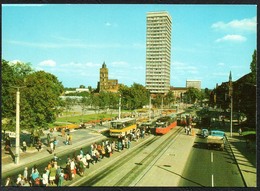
{"x": 50, "y": 63}
{"x": 80, "y": 66}
{"x": 15, "y": 61}
{"x": 248, "y": 24}
{"x": 234, "y": 38}
{"x": 108, "y": 24}
{"x": 221, "y": 64}
{"x": 64, "y": 45}
{"x": 183, "y": 69}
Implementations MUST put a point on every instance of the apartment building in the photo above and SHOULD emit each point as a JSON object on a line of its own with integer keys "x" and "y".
{"x": 158, "y": 52}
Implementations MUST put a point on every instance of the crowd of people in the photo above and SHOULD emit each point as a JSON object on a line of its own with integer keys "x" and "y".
{"x": 55, "y": 175}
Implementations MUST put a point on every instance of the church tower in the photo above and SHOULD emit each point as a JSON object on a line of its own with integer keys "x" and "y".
{"x": 103, "y": 77}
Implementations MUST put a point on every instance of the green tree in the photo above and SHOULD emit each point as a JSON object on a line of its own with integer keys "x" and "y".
{"x": 169, "y": 99}
{"x": 192, "y": 95}
{"x": 253, "y": 67}
{"x": 134, "y": 97}
{"x": 40, "y": 101}
{"x": 84, "y": 102}
{"x": 157, "y": 101}
{"x": 82, "y": 86}
{"x": 68, "y": 104}
{"x": 39, "y": 95}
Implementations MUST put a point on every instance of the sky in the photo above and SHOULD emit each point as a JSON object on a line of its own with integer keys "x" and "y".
{"x": 73, "y": 41}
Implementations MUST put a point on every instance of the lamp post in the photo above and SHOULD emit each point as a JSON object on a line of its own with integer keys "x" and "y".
{"x": 231, "y": 114}
{"x": 230, "y": 92}
{"x": 17, "y": 131}
{"x": 150, "y": 108}
{"x": 119, "y": 109}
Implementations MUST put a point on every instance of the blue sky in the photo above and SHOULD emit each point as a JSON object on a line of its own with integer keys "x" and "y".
{"x": 72, "y": 41}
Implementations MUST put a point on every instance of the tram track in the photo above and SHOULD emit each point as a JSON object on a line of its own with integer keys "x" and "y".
{"x": 148, "y": 161}
{"x": 127, "y": 179}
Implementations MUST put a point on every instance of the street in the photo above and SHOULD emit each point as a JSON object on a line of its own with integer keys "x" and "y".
{"x": 210, "y": 167}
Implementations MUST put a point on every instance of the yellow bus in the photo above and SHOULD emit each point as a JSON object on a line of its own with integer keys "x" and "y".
{"x": 122, "y": 126}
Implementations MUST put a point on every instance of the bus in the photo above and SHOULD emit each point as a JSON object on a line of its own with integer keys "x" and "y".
{"x": 122, "y": 127}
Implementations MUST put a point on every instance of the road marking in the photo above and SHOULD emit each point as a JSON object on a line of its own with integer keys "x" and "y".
{"x": 211, "y": 156}
{"x": 212, "y": 180}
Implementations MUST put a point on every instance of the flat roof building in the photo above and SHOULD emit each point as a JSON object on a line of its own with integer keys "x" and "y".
{"x": 158, "y": 52}
{"x": 194, "y": 84}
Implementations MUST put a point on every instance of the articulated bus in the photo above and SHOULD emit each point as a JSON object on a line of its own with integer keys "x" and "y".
{"x": 122, "y": 126}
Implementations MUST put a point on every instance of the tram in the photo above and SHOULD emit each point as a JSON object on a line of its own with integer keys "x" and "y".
{"x": 122, "y": 127}
{"x": 149, "y": 126}
{"x": 164, "y": 124}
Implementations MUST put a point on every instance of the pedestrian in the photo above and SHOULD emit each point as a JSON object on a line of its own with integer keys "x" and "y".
{"x": 73, "y": 168}
{"x": 84, "y": 160}
{"x": 89, "y": 159}
{"x": 55, "y": 143}
{"x": 67, "y": 139}
{"x": 35, "y": 178}
{"x": 8, "y": 182}
{"x": 34, "y": 168}
{"x": 39, "y": 145}
{"x": 68, "y": 174}
{"x": 103, "y": 152}
{"x": 52, "y": 175}
{"x": 61, "y": 178}
{"x": 80, "y": 167}
{"x": 24, "y": 146}
{"x": 48, "y": 139}
{"x": 25, "y": 173}
{"x": 93, "y": 156}
{"x": 128, "y": 144}
{"x": 81, "y": 153}
{"x": 62, "y": 132}
{"x": 70, "y": 139}
{"x": 7, "y": 143}
{"x": 45, "y": 178}
{"x": 51, "y": 147}
{"x": 240, "y": 131}
{"x": 113, "y": 147}
{"x": 57, "y": 176}
{"x": 108, "y": 150}
{"x": 18, "y": 180}
{"x": 55, "y": 158}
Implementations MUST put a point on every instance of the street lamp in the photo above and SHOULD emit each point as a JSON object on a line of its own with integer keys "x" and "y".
{"x": 17, "y": 132}
{"x": 231, "y": 114}
{"x": 119, "y": 109}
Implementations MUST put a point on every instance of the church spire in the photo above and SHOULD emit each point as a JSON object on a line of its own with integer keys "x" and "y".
{"x": 104, "y": 65}
{"x": 230, "y": 76}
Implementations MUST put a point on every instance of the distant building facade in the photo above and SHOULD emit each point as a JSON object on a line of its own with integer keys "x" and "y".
{"x": 193, "y": 84}
{"x": 105, "y": 84}
{"x": 158, "y": 52}
{"x": 78, "y": 90}
{"x": 178, "y": 92}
